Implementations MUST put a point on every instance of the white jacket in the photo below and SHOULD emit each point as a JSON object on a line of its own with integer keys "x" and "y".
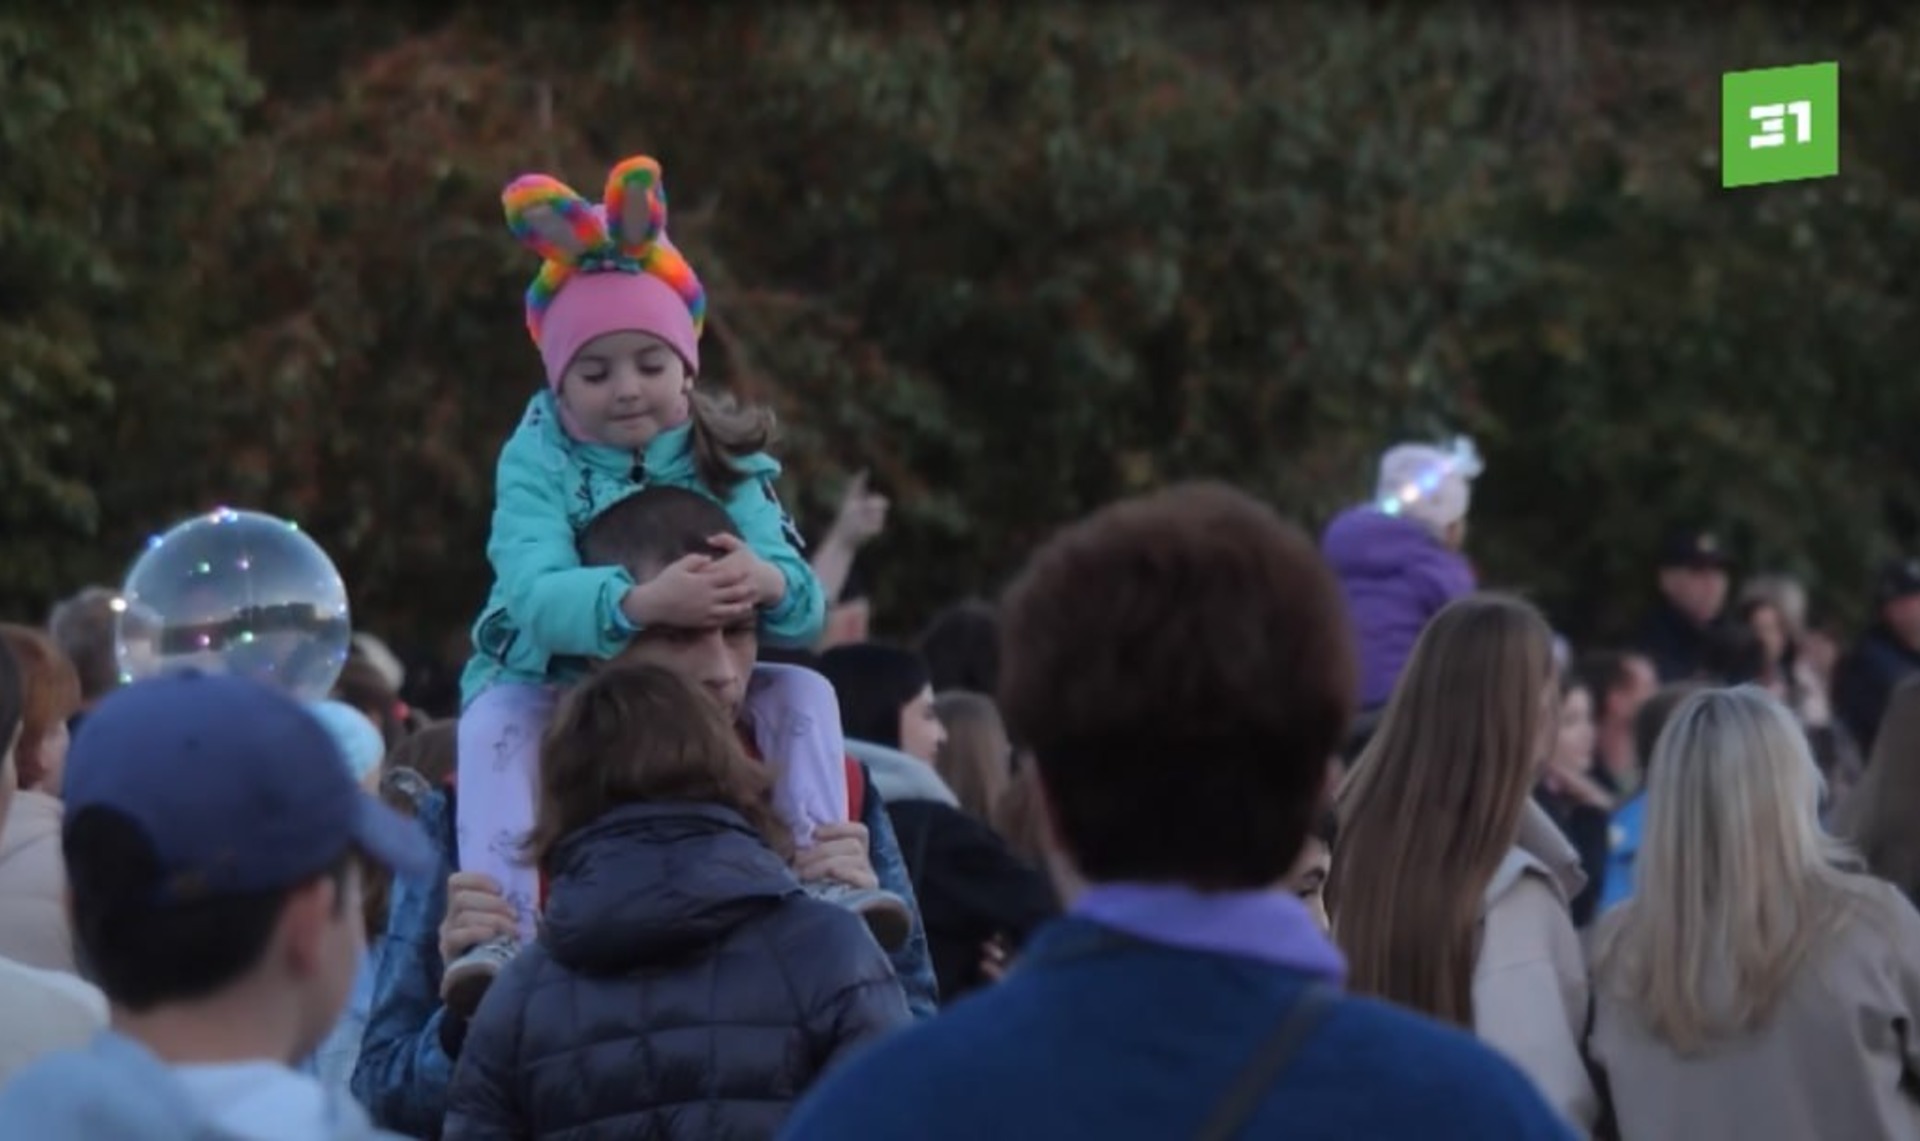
{"x": 1530, "y": 984}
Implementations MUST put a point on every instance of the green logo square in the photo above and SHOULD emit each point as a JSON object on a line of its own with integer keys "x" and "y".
{"x": 1779, "y": 124}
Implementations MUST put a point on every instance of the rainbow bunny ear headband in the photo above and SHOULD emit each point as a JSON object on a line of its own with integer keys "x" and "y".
{"x": 1422, "y": 481}
{"x": 605, "y": 268}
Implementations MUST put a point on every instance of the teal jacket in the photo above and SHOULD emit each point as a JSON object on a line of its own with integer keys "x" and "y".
{"x": 548, "y": 616}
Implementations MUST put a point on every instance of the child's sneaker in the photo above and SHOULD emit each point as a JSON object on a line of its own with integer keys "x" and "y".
{"x": 469, "y": 976}
{"x": 887, "y": 915}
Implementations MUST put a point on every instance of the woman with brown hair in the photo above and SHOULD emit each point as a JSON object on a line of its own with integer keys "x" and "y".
{"x": 1450, "y": 894}
{"x": 1881, "y": 816}
{"x": 33, "y": 875}
{"x": 683, "y": 986}
{"x": 976, "y": 760}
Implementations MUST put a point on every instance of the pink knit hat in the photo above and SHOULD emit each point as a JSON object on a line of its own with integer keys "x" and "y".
{"x": 605, "y": 268}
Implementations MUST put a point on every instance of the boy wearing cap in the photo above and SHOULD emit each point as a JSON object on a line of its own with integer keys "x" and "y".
{"x": 213, "y": 839}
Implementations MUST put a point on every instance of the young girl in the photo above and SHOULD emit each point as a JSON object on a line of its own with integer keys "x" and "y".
{"x": 616, "y": 313}
{"x": 682, "y": 986}
{"x": 1398, "y": 557}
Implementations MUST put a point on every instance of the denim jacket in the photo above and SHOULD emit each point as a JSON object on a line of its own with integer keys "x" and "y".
{"x": 404, "y": 1070}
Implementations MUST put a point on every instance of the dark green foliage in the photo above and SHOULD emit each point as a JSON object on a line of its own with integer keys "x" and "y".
{"x": 1015, "y": 258}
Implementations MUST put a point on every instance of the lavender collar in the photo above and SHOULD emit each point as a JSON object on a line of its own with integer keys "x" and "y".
{"x": 1270, "y": 926}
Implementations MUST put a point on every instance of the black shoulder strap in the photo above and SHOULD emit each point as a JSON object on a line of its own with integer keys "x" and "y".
{"x": 1607, "y": 1127}
{"x": 1256, "y": 1079}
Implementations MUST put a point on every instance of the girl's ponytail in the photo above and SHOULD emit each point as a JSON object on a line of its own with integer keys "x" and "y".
{"x": 721, "y": 429}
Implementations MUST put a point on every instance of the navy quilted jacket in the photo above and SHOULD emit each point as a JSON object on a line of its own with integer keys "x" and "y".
{"x": 682, "y": 987}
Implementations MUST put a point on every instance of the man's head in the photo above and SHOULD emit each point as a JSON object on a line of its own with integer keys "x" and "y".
{"x": 646, "y": 533}
{"x": 1898, "y": 593}
{"x": 213, "y": 837}
{"x": 83, "y": 628}
{"x": 1693, "y": 575}
{"x": 1182, "y": 669}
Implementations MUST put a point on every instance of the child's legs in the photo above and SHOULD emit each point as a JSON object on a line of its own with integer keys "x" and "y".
{"x": 499, "y": 766}
{"x": 796, "y": 724}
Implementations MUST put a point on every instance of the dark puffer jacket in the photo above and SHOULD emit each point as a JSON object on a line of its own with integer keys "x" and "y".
{"x": 682, "y": 987}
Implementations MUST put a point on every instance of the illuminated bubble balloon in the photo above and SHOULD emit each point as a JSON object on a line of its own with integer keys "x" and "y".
{"x": 236, "y": 592}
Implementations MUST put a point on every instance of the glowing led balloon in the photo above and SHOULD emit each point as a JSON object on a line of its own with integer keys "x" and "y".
{"x": 236, "y": 592}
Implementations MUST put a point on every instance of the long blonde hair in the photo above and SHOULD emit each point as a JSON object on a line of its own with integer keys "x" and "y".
{"x": 1877, "y": 817}
{"x": 1735, "y": 881}
{"x": 1434, "y": 802}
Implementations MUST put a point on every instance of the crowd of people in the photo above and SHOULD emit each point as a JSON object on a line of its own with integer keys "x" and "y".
{"x": 1202, "y": 827}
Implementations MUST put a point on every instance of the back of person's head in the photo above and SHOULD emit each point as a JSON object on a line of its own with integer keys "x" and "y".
{"x": 1181, "y": 668}
{"x": 367, "y": 687}
{"x": 962, "y": 647}
{"x": 874, "y": 683}
{"x": 1734, "y": 653}
{"x": 653, "y": 529}
{"x": 1434, "y": 803}
{"x": 84, "y": 628}
{"x": 642, "y": 734}
{"x": 976, "y": 761}
{"x": 1601, "y": 671}
{"x": 1785, "y": 593}
{"x": 1652, "y": 719}
{"x": 1881, "y": 815}
{"x": 1734, "y": 883}
{"x": 373, "y": 650}
{"x": 429, "y": 752}
{"x": 1604, "y": 673}
{"x": 50, "y": 694}
{"x": 212, "y": 837}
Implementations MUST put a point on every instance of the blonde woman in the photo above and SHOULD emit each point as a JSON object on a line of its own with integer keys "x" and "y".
{"x": 1753, "y": 987}
{"x": 1450, "y": 894}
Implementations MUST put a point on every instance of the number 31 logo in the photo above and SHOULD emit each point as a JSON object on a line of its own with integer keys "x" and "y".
{"x": 1781, "y": 124}
{"x": 1773, "y": 121}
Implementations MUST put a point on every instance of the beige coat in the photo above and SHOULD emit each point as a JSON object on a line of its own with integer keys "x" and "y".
{"x": 45, "y": 1011}
{"x": 1530, "y": 982}
{"x": 33, "y": 885}
{"x": 1828, "y": 1064}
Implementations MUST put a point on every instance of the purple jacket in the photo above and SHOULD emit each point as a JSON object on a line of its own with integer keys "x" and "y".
{"x": 1396, "y": 576}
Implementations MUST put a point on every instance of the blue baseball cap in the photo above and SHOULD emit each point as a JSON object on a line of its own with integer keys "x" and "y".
{"x": 238, "y": 788}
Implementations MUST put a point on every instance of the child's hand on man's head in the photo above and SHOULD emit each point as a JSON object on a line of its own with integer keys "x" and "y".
{"x": 767, "y": 584}
{"x": 693, "y": 593}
